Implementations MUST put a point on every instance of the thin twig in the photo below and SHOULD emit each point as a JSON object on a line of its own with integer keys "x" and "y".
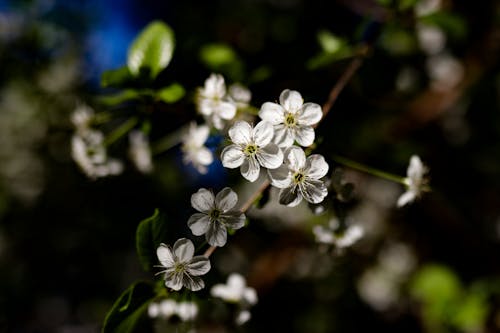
{"x": 332, "y": 97}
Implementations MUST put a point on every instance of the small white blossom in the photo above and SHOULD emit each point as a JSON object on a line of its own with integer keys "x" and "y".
{"x": 216, "y": 214}
{"x": 431, "y": 39}
{"x": 240, "y": 95}
{"x": 194, "y": 149}
{"x": 168, "y": 308}
{"x": 332, "y": 236}
{"x": 82, "y": 117}
{"x": 415, "y": 181}
{"x": 89, "y": 152}
{"x": 292, "y": 120}
{"x": 140, "y": 151}
{"x": 181, "y": 268}
{"x": 251, "y": 148}
{"x": 212, "y": 102}
{"x": 235, "y": 291}
{"x": 300, "y": 178}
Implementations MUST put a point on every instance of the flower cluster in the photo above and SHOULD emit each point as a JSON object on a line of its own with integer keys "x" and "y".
{"x": 333, "y": 235}
{"x": 168, "y": 308}
{"x": 415, "y": 181}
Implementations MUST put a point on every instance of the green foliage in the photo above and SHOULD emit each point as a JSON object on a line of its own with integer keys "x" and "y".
{"x": 451, "y": 23}
{"x": 127, "y": 311}
{"x": 171, "y": 94}
{"x": 151, "y": 50}
{"x": 120, "y": 97}
{"x": 446, "y": 303}
{"x": 222, "y": 58}
{"x": 333, "y": 48}
{"x": 150, "y": 234}
{"x": 116, "y": 77}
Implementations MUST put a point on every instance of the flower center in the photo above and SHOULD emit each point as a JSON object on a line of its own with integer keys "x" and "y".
{"x": 179, "y": 267}
{"x": 250, "y": 149}
{"x": 214, "y": 214}
{"x": 290, "y": 120}
{"x": 298, "y": 177}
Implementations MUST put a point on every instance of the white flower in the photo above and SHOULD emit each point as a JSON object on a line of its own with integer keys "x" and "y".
{"x": 212, "y": 102}
{"x": 240, "y": 95}
{"x": 82, "y": 117}
{"x": 341, "y": 239}
{"x": 193, "y": 147}
{"x": 292, "y": 120}
{"x": 300, "y": 177}
{"x": 242, "y": 317}
{"x": 251, "y": 148}
{"x": 140, "y": 152}
{"x": 235, "y": 291}
{"x": 88, "y": 151}
{"x": 216, "y": 214}
{"x": 431, "y": 38}
{"x": 181, "y": 268}
{"x": 168, "y": 308}
{"x": 415, "y": 181}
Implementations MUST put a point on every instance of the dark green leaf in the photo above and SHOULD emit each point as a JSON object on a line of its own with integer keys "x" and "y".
{"x": 128, "y": 310}
{"x": 120, "y": 97}
{"x": 171, "y": 94}
{"x": 152, "y": 49}
{"x": 454, "y": 25}
{"x": 116, "y": 77}
{"x": 150, "y": 234}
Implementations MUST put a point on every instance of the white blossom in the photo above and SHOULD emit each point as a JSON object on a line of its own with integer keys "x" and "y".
{"x": 431, "y": 38}
{"x": 242, "y": 317}
{"x": 140, "y": 151}
{"x": 415, "y": 181}
{"x": 82, "y": 117}
{"x": 168, "y": 308}
{"x": 89, "y": 152}
{"x": 251, "y": 148}
{"x": 340, "y": 238}
{"x": 216, "y": 214}
{"x": 239, "y": 95}
{"x": 181, "y": 267}
{"x": 235, "y": 291}
{"x": 194, "y": 149}
{"x": 300, "y": 178}
{"x": 213, "y": 103}
{"x": 292, "y": 119}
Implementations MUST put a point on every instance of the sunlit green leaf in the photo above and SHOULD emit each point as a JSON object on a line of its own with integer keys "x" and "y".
{"x": 471, "y": 313}
{"x": 171, "y": 94}
{"x": 150, "y": 233}
{"x": 329, "y": 42}
{"x": 436, "y": 283}
{"x": 152, "y": 49}
{"x": 222, "y": 58}
{"x": 116, "y": 77}
{"x": 127, "y": 312}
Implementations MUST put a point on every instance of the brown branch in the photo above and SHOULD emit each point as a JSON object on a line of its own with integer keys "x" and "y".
{"x": 332, "y": 97}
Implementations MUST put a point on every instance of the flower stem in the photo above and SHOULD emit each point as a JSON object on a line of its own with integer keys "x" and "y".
{"x": 369, "y": 170}
{"x": 120, "y": 131}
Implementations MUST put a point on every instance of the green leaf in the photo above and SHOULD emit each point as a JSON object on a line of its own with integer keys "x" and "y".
{"x": 435, "y": 284}
{"x": 454, "y": 25}
{"x": 471, "y": 313}
{"x": 223, "y": 59}
{"x": 329, "y": 42}
{"x": 128, "y": 310}
{"x": 152, "y": 49}
{"x": 150, "y": 234}
{"x": 171, "y": 94}
{"x": 120, "y": 97}
{"x": 116, "y": 77}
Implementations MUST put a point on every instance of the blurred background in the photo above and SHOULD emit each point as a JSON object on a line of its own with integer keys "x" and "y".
{"x": 430, "y": 85}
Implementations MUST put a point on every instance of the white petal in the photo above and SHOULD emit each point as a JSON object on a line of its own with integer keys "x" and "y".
{"x": 226, "y": 199}
{"x": 291, "y": 100}
{"x": 406, "y": 198}
{"x": 204, "y": 156}
{"x": 232, "y": 156}
{"x": 250, "y": 169}
{"x": 197, "y": 135}
{"x": 203, "y": 200}
{"x": 206, "y": 106}
{"x": 280, "y": 177}
{"x": 233, "y": 219}
{"x": 174, "y": 281}
{"x": 313, "y": 191}
{"x": 283, "y": 136}
{"x": 304, "y": 135}
{"x": 290, "y": 196}
{"x": 216, "y": 234}
{"x": 193, "y": 283}
{"x": 236, "y": 282}
{"x": 263, "y": 133}
{"x": 270, "y": 156}
{"x": 272, "y": 113}
{"x": 184, "y": 249}
{"x": 250, "y": 296}
{"x": 316, "y": 166}
{"x": 217, "y": 121}
{"x": 226, "y": 110}
{"x": 198, "y": 223}
{"x": 241, "y": 132}
{"x": 309, "y": 114}
{"x": 416, "y": 169}
{"x": 199, "y": 265}
{"x": 295, "y": 158}
{"x": 165, "y": 256}
{"x": 242, "y": 317}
